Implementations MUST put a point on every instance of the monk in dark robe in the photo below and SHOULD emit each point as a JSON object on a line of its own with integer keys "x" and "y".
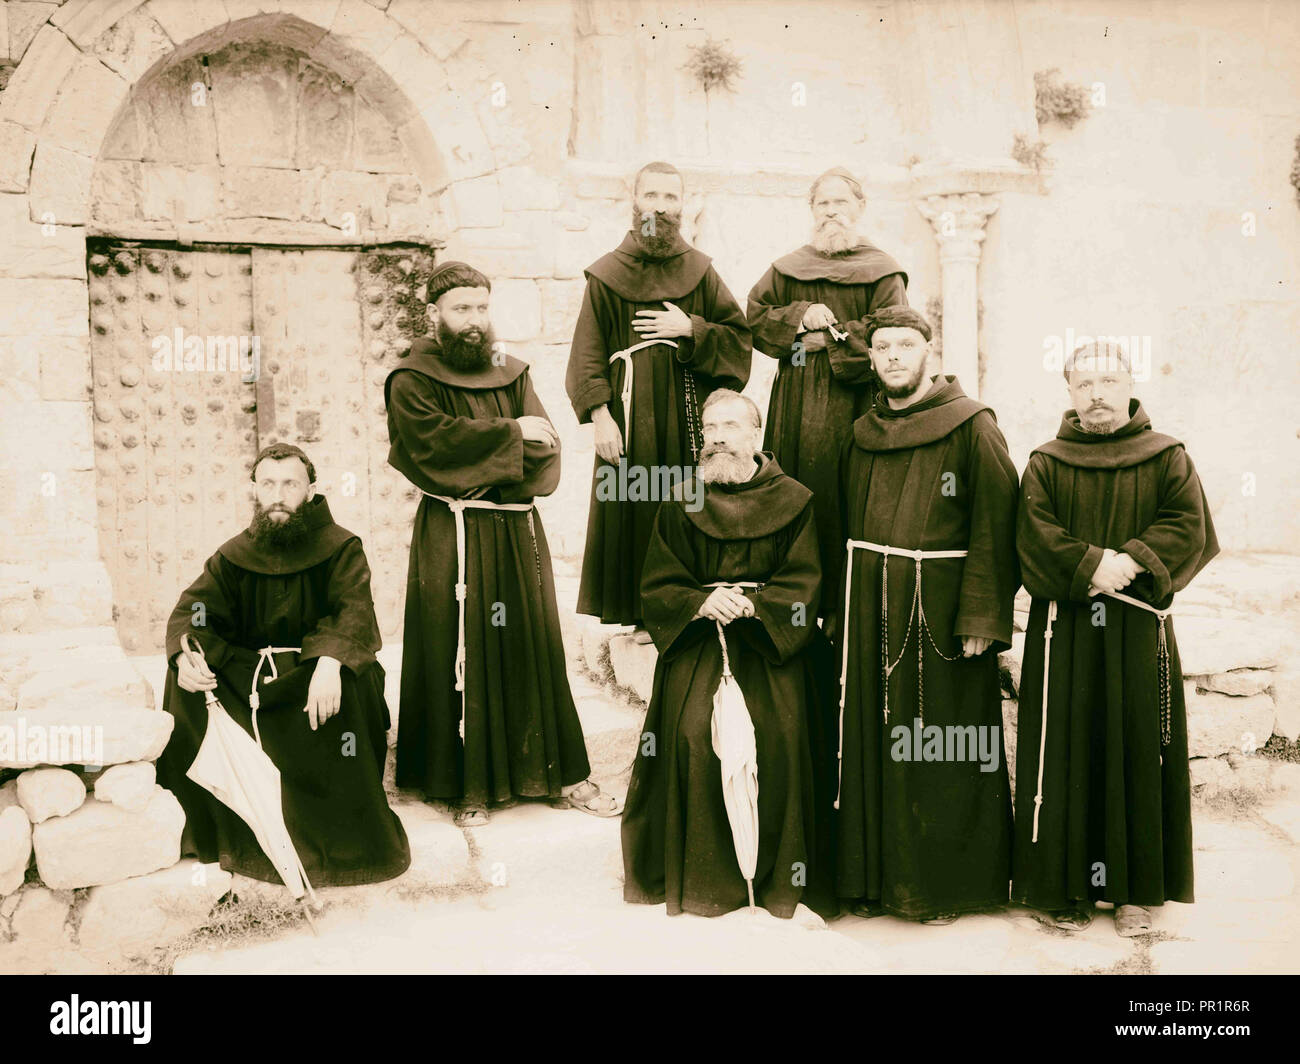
{"x": 929, "y": 504}
{"x": 656, "y": 293}
{"x": 286, "y": 625}
{"x": 809, "y": 311}
{"x": 1113, "y": 522}
{"x": 486, "y": 712}
{"x": 742, "y": 555}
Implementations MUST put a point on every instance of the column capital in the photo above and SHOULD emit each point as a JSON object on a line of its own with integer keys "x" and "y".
{"x": 959, "y": 220}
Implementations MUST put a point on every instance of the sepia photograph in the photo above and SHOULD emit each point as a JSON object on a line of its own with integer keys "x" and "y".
{"x": 629, "y": 487}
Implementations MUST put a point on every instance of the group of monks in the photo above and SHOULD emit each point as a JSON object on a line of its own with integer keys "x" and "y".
{"x": 852, "y": 568}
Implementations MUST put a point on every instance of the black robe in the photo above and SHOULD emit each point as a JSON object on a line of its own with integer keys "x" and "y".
{"x": 677, "y": 841}
{"x": 716, "y": 355}
{"x": 1113, "y": 795}
{"x": 815, "y": 401}
{"x": 926, "y": 837}
{"x": 457, "y": 434}
{"x": 316, "y": 596}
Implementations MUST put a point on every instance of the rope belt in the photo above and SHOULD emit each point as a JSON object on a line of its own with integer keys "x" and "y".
{"x": 265, "y": 656}
{"x": 1162, "y": 668}
{"x": 625, "y": 356}
{"x": 918, "y": 611}
{"x": 458, "y": 508}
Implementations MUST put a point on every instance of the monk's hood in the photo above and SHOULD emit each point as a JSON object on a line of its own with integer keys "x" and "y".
{"x": 762, "y": 505}
{"x": 864, "y": 264}
{"x": 1131, "y": 444}
{"x": 640, "y": 279}
{"x": 426, "y": 357}
{"x": 321, "y": 543}
{"x": 944, "y": 409}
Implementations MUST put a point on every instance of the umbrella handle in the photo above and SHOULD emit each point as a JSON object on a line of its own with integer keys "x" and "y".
{"x": 722, "y": 639}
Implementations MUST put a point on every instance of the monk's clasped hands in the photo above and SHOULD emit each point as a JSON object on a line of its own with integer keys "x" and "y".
{"x": 1114, "y": 572}
{"x": 726, "y": 604}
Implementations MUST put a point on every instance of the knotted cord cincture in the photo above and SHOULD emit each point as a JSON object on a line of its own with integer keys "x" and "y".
{"x": 924, "y": 633}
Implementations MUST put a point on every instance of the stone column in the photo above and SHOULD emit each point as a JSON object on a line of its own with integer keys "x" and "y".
{"x": 958, "y": 220}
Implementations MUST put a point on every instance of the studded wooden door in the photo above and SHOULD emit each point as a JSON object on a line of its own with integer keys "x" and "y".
{"x": 202, "y": 357}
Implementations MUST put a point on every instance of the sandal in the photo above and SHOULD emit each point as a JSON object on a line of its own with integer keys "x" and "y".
{"x": 1074, "y": 919}
{"x": 941, "y": 919}
{"x": 867, "y": 908}
{"x": 472, "y": 816}
{"x": 1132, "y": 920}
{"x": 588, "y": 797}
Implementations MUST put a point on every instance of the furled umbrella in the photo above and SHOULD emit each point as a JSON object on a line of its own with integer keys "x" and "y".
{"x": 232, "y": 765}
{"x": 737, "y": 749}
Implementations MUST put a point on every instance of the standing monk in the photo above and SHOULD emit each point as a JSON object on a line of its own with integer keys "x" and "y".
{"x": 283, "y": 615}
{"x": 486, "y": 713}
{"x": 929, "y": 508}
{"x": 1113, "y": 521}
{"x": 657, "y": 308}
{"x": 739, "y": 562}
{"x": 808, "y": 313}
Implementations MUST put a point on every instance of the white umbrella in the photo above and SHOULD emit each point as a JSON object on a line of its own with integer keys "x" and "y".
{"x": 236, "y": 770}
{"x": 737, "y": 749}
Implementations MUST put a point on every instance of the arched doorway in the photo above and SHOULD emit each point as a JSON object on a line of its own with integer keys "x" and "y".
{"x": 256, "y": 271}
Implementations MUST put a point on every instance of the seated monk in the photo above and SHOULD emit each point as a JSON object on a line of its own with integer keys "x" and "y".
{"x": 284, "y": 610}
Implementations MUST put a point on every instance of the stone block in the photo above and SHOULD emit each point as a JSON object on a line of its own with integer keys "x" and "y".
{"x": 561, "y": 304}
{"x": 524, "y": 189}
{"x": 266, "y": 192}
{"x": 92, "y": 736}
{"x": 76, "y": 683}
{"x": 36, "y": 82}
{"x": 516, "y": 309}
{"x": 65, "y": 368}
{"x": 128, "y": 786}
{"x": 476, "y": 203}
{"x": 83, "y": 110}
{"x": 41, "y": 917}
{"x": 634, "y": 665}
{"x": 1286, "y": 697}
{"x": 132, "y": 45}
{"x": 49, "y": 792}
{"x": 185, "y": 19}
{"x": 101, "y": 843}
{"x": 138, "y": 915}
{"x": 1213, "y": 771}
{"x": 1209, "y": 645}
{"x": 1239, "y": 682}
{"x": 84, "y": 20}
{"x": 25, "y": 18}
{"x": 60, "y": 187}
{"x": 1218, "y": 723}
{"x": 180, "y": 194}
{"x": 15, "y": 848}
{"x": 33, "y": 250}
{"x": 16, "y": 147}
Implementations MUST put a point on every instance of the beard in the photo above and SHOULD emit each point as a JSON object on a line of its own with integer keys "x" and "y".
{"x": 279, "y": 535}
{"x": 666, "y": 229}
{"x": 721, "y": 465}
{"x": 833, "y": 237}
{"x": 1100, "y": 421}
{"x": 467, "y": 350}
{"x": 910, "y": 387}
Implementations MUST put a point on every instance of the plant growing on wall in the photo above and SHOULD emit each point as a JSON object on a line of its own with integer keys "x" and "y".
{"x": 1061, "y": 101}
{"x": 1029, "y": 153}
{"x": 1295, "y": 171}
{"x": 714, "y": 66}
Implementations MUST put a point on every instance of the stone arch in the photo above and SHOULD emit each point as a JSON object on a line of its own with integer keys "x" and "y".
{"x": 55, "y": 115}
